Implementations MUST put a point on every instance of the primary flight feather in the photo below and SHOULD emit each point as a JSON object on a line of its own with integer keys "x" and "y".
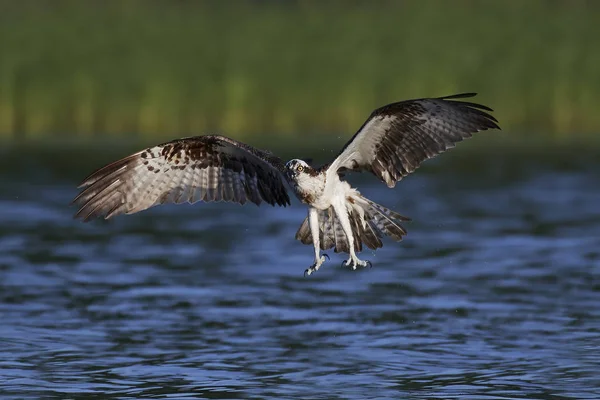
{"x": 391, "y": 144}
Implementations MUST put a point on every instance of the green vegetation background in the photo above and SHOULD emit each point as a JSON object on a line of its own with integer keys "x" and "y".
{"x": 150, "y": 69}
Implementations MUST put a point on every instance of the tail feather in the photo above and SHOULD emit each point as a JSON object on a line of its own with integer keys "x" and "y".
{"x": 327, "y": 229}
{"x": 369, "y": 221}
{"x": 366, "y": 233}
{"x": 357, "y": 230}
{"x": 340, "y": 243}
{"x": 303, "y": 234}
{"x": 386, "y": 220}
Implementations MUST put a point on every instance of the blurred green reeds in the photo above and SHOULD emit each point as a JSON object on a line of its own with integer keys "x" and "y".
{"x": 168, "y": 68}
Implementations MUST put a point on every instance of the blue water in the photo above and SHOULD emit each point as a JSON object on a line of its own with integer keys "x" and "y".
{"x": 494, "y": 293}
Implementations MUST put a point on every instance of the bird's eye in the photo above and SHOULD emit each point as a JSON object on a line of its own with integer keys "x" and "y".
{"x": 300, "y": 168}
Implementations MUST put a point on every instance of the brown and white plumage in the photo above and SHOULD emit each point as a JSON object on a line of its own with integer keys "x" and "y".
{"x": 398, "y": 137}
{"x": 391, "y": 144}
{"x": 379, "y": 221}
{"x": 207, "y": 168}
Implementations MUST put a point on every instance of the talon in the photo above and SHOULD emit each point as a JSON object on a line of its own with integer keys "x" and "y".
{"x": 325, "y": 255}
{"x": 369, "y": 264}
{"x": 308, "y": 271}
{"x": 343, "y": 265}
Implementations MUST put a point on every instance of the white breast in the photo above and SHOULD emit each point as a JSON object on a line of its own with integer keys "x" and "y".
{"x": 334, "y": 190}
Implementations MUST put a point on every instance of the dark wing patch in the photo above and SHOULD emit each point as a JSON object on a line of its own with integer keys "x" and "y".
{"x": 202, "y": 168}
{"x": 398, "y": 137}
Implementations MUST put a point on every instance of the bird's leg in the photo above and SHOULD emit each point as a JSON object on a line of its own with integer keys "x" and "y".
{"x": 313, "y": 223}
{"x": 353, "y": 261}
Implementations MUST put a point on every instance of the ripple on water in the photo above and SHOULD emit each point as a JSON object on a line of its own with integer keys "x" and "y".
{"x": 493, "y": 294}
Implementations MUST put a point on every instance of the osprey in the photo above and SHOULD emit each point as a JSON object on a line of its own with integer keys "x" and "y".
{"x": 391, "y": 144}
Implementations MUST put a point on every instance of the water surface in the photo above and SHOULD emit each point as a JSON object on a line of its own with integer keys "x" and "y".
{"x": 494, "y": 294}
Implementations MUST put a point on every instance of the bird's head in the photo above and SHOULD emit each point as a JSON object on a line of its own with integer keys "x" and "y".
{"x": 297, "y": 168}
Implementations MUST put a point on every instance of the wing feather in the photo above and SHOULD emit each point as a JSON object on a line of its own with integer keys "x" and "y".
{"x": 208, "y": 168}
{"x": 398, "y": 137}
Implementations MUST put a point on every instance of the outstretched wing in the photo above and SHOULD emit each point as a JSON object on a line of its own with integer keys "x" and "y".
{"x": 208, "y": 168}
{"x": 398, "y": 137}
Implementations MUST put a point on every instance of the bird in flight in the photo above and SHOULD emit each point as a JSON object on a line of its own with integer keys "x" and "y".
{"x": 391, "y": 144}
